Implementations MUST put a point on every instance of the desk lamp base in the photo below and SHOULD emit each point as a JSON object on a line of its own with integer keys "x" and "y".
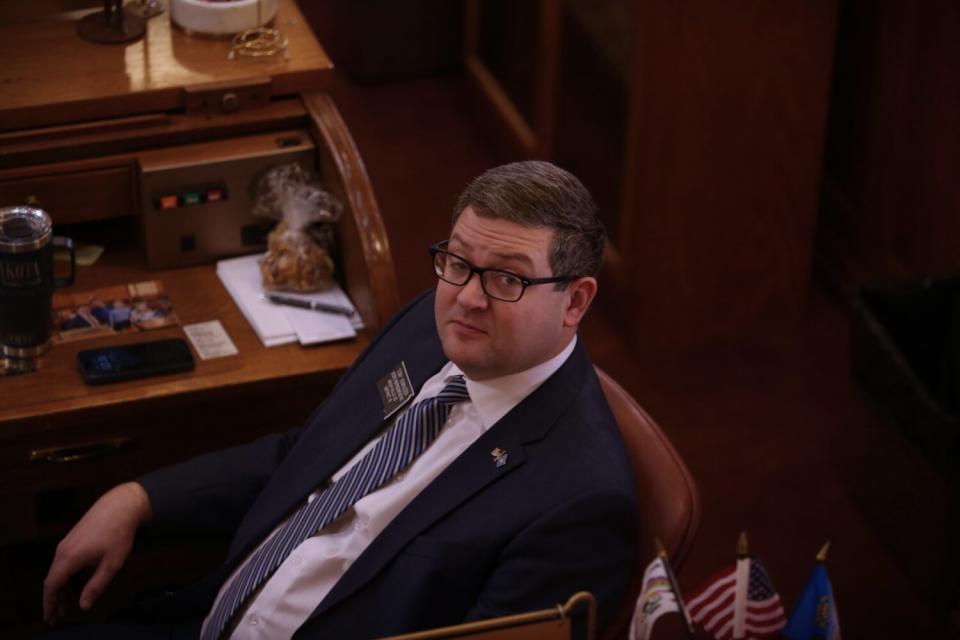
{"x": 111, "y": 26}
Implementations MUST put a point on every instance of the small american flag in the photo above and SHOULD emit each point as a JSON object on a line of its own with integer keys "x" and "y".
{"x": 713, "y": 605}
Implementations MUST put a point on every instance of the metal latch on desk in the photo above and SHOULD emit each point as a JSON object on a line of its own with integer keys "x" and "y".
{"x": 79, "y": 452}
{"x": 219, "y": 98}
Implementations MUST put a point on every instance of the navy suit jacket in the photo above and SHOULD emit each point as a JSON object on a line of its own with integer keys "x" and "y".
{"x": 479, "y": 541}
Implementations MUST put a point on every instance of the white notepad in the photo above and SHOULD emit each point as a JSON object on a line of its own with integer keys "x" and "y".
{"x": 278, "y": 324}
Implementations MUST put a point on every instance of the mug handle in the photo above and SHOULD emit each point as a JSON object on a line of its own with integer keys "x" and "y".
{"x": 67, "y": 244}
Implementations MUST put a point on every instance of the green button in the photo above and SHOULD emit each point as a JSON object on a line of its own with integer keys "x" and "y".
{"x": 191, "y": 197}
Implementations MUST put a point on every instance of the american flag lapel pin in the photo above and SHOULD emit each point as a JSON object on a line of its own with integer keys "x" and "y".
{"x": 499, "y": 457}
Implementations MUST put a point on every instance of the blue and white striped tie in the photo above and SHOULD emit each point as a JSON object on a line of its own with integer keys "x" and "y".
{"x": 400, "y": 445}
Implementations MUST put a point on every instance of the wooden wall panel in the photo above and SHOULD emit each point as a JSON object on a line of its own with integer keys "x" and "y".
{"x": 891, "y": 188}
{"x": 725, "y": 138}
{"x": 936, "y": 154}
{"x": 385, "y": 40}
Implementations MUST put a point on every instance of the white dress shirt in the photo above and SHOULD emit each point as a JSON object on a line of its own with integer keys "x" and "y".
{"x": 307, "y": 575}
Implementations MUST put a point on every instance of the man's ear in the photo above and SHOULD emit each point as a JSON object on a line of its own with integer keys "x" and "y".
{"x": 580, "y": 294}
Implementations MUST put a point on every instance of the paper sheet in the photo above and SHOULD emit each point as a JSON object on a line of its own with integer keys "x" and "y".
{"x": 278, "y": 324}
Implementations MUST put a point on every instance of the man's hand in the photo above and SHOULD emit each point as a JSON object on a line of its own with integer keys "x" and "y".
{"x": 101, "y": 540}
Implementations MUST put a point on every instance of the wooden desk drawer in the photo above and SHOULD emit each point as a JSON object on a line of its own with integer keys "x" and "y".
{"x": 50, "y": 475}
{"x": 76, "y": 196}
{"x": 48, "y": 486}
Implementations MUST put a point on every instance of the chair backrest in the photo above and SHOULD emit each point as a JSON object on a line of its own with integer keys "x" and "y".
{"x": 667, "y": 496}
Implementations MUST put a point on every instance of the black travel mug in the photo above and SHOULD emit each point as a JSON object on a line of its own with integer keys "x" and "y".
{"x": 27, "y": 281}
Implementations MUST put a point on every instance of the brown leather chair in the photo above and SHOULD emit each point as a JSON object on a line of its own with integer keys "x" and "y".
{"x": 667, "y": 496}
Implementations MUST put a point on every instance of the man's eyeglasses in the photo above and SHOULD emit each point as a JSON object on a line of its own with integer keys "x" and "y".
{"x": 496, "y": 283}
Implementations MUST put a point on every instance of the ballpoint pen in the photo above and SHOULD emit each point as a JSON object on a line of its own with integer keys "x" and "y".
{"x": 308, "y": 304}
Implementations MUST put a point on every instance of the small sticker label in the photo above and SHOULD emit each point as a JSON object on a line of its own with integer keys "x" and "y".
{"x": 210, "y": 340}
{"x": 395, "y": 389}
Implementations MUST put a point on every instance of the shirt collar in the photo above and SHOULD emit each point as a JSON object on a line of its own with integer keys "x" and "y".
{"x": 495, "y": 397}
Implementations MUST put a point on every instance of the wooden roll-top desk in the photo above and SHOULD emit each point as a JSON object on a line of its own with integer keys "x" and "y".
{"x": 79, "y": 122}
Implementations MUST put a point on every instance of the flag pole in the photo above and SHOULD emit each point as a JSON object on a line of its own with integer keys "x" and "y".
{"x": 740, "y": 594}
{"x": 742, "y": 546}
{"x": 662, "y": 554}
{"x": 815, "y": 613}
{"x": 822, "y": 554}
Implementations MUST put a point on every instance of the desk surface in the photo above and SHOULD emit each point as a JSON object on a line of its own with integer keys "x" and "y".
{"x": 50, "y": 75}
{"x": 56, "y": 395}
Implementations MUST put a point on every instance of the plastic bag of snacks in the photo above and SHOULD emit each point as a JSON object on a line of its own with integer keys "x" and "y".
{"x": 299, "y": 248}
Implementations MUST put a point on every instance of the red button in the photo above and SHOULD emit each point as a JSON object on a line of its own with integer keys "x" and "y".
{"x": 214, "y": 195}
{"x": 168, "y": 202}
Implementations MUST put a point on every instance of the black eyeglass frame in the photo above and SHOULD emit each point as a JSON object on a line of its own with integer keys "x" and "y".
{"x": 440, "y": 247}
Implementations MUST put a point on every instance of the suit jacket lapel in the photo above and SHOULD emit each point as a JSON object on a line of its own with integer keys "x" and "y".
{"x": 473, "y": 470}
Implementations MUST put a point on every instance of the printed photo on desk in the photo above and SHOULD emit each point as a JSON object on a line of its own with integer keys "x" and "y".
{"x": 137, "y": 306}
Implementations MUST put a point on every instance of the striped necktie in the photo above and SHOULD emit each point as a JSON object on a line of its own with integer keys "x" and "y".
{"x": 409, "y": 436}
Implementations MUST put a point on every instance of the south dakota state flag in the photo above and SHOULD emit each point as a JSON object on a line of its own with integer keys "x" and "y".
{"x": 815, "y": 615}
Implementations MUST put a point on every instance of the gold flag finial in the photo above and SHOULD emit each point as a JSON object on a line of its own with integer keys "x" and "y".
{"x": 822, "y": 554}
{"x": 742, "y": 545}
{"x": 661, "y": 551}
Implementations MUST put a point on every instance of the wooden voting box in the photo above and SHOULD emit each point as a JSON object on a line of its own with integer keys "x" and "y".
{"x": 80, "y": 125}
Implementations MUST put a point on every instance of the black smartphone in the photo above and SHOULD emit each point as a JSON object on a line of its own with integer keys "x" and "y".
{"x": 138, "y": 360}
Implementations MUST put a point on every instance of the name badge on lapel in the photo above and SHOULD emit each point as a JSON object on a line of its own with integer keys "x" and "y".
{"x": 395, "y": 389}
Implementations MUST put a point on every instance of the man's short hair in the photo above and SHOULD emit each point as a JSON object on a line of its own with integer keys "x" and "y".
{"x": 534, "y": 193}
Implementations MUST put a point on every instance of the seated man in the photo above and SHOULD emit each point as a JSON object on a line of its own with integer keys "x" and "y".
{"x": 466, "y": 466}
